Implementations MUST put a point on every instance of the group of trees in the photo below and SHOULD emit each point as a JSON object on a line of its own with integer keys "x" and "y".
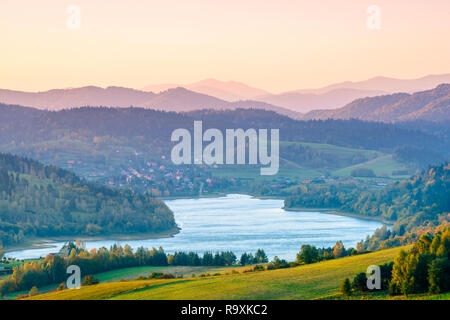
{"x": 248, "y": 258}
{"x": 310, "y": 254}
{"x": 38, "y": 200}
{"x": 426, "y": 268}
{"x": 53, "y": 268}
{"x": 226, "y": 258}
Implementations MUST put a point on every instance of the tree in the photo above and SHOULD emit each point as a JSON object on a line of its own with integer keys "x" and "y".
{"x": 1, "y": 250}
{"x": 403, "y": 274}
{"x": 338, "y": 249}
{"x": 346, "y": 287}
{"x": 261, "y": 256}
{"x": 33, "y": 291}
{"x": 244, "y": 259}
{"x": 308, "y": 254}
{"x": 439, "y": 275}
{"x": 360, "y": 282}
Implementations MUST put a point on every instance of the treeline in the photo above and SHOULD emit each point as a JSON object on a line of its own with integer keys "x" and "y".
{"x": 38, "y": 200}
{"x": 52, "y": 269}
{"x": 420, "y": 202}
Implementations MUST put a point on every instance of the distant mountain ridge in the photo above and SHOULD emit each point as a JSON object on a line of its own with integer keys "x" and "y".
{"x": 177, "y": 99}
{"x": 305, "y": 102}
{"x": 387, "y": 84}
{"x": 226, "y": 90}
{"x": 430, "y": 105}
{"x": 218, "y": 95}
{"x": 332, "y": 96}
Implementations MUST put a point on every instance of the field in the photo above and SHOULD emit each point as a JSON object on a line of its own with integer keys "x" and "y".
{"x": 382, "y": 166}
{"x": 134, "y": 272}
{"x": 314, "y": 281}
{"x": 381, "y": 163}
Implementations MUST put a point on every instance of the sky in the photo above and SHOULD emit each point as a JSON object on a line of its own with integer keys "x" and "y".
{"x": 274, "y": 45}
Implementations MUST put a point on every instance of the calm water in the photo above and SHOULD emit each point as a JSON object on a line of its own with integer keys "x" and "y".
{"x": 241, "y": 223}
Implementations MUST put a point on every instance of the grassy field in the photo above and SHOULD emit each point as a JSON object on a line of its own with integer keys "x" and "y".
{"x": 381, "y": 163}
{"x": 312, "y": 281}
{"x": 382, "y": 166}
{"x": 134, "y": 272}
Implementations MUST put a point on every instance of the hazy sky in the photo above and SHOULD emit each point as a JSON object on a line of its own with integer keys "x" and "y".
{"x": 276, "y": 45}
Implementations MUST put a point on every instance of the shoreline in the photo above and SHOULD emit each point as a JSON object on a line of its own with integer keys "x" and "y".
{"x": 341, "y": 213}
{"x": 42, "y": 243}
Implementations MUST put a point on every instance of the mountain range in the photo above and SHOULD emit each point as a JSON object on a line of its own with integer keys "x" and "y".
{"x": 176, "y": 99}
{"x": 349, "y": 99}
{"x": 304, "y": 100}
{"x": 429, "y": 105}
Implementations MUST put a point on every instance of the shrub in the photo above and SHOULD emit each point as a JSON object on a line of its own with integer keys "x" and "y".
{"x": 258, "y": 268}
{"x": 33, "y": 291}
{"x": 360, "y": 282}
{"x": 61, "y": 287}
{"x": 346, "y": 287}
{"x": 90, "y": 280}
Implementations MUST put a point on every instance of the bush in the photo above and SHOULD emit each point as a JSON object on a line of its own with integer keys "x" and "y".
{"x": 258, "y": 268}
{"x": 61, "y": 287}
{"x": 346, "y": 287}
{"x": 360, "y": 282}
{"x": 90, "y": 280}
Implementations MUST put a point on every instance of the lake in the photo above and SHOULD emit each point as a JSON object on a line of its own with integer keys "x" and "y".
{"x": 241, "y": 223}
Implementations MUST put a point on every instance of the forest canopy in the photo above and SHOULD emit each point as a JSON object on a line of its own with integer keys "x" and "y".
{"x": 41, "y": 201}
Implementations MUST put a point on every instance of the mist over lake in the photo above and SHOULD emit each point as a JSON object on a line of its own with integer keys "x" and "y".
{"x": 241, "y": 223}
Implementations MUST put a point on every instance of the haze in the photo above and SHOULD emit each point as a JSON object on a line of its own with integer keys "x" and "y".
{"x": 273, "y": 45}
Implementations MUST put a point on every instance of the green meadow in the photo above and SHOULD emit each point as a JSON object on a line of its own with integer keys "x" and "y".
{"x": 313, "y": 281}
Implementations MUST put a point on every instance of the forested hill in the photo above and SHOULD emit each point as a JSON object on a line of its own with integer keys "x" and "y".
{"x": 45, "y": 201}
{"x": 149, "y": 129}
{"x": 420, "y": 202}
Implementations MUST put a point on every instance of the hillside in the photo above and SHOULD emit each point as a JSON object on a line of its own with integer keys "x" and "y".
{"x": 421, "y": 202}
{"x": 311, "y": 281}
{"x": 45, "y": 201}
{"x": 430, "y": 105}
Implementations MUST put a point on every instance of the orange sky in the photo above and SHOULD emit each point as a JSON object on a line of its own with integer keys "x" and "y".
{"x": 275, "y": 45}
